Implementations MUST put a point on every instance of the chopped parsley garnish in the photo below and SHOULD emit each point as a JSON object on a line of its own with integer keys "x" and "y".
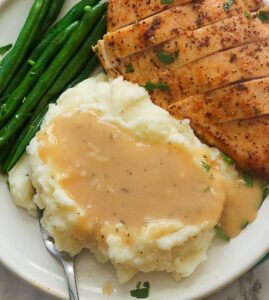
{"x": 221, "y": 234}
{"x": 150, "y": 86}
{"x": 265, "y": 192}
{"x": 31, "y": 62}
{"x": 167, "y": 1}
{"x": 206, "y": 166}
{"x": 5, "y": 49}
{"x": 227, "y": 159}
{"x": 247, "y": 14}
{"x": 129, "y": 69}
{"x": 263, "y": 16}
{"x": 141, "y": 292}
{"x": 166, "y": 58}
{"x": 227, "y": 5}
{"x": 248, "y": 179}
{"x": 244, "y": 224}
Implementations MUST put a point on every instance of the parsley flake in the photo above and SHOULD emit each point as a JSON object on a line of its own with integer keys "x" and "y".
{"x": 247, "y": 14}
{"x": 206, "y": 166}
{"x": 129, "y": 69}
{"x": 248, "y": 179}
{"x": 150, "y": 86}
{"x": 167, "y": 1}
{"x": 5, "y": 49}
{"x": 227, "y": 5}
{"x": 31, "y": 62}
{"x": 263, "y": 16}
{"x": 166, "y": 58}
{"x": 221, "y": 234}
{"x": 227, "y": 159}
{"x": 141, "y": 293}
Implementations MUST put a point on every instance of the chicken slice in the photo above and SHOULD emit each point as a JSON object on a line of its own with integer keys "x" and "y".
{"x": 124, "y": 12}
{"x": 243, "y": 135}
{"x": 162, "y": 27}
{"x": 174, "y": 54}
{"x": 212, "y": 72}
{"x": 236, "y": 102}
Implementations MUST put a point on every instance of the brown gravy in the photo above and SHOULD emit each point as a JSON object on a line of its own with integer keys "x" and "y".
{"x": 118, "y": 179}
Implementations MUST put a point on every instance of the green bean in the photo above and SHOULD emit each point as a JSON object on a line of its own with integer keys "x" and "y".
{"x": 5, "y": 49}
{"x": 52, "y": 14}
{"x": 33, "y": 126}
{"x": 46, "y": 80}
{"x": 15, "y": 57}
{"x": 18, "y": 148}
{"x": 8, "y": 108}
{"x": 35, "y": 123}
{"x": 6, "y": 150}
{"x": 75, "y": 65}
{"x": 91, "y": 65}
{"x": 73, "y": 15}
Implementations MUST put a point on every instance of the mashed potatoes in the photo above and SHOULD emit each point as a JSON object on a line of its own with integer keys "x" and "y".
{"x": 159, "y": 245}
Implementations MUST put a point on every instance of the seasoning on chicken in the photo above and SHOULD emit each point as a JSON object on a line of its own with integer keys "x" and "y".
{"x": 125, "y": 12}
{"x": 207, "y": 61}
{"x": 235, "y": 119}
{"x": 176, "y": 53}
{"x": 164, "y": 26}
{"x": 213, "y": 72}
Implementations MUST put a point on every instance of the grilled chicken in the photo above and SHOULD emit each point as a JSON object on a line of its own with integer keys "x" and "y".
{"x": 236, "y": 102}
{"x": 124, "y": 12}
{"x": 213, "y": 72}
{"x": 162, "y": 27}
{"x": 176, "y": 53}
{"x": 205, "y": 60}
{"x": 234, "y": 119}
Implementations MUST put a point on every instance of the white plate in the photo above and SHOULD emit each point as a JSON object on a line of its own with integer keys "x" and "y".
{"x": 22, "y": 251}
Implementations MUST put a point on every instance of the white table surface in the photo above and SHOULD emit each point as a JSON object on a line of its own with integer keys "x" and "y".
{"x": 252, "y": 286}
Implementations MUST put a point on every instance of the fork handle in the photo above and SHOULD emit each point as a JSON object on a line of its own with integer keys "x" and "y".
{"x": 71, "y": 279}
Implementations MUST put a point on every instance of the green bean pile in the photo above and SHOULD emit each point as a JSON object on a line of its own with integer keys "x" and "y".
{"x": 42, "y": 64}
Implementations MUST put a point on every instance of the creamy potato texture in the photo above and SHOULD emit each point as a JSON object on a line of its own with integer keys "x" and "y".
{"x": 118, "y": 175}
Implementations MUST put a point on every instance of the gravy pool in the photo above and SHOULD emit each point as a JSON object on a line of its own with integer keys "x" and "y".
{"x": 116, "y": 178}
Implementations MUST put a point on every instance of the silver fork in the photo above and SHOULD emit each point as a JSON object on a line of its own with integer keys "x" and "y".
{"x": 66, "y": 260}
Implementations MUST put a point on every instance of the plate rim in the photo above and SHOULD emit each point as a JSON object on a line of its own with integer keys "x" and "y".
{"x": 220, "y": 284}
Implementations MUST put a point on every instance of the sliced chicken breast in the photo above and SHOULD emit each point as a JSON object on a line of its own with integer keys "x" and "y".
{"x": 245, "y": 141}
{"x": 236, "y": 102}
{"x": 174, "y": 54}
{"x": 212, "y": 72}
{"x": 124, "y": 12}
{"x": 238, "y": 126}
{"x": 164, "y": 26}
